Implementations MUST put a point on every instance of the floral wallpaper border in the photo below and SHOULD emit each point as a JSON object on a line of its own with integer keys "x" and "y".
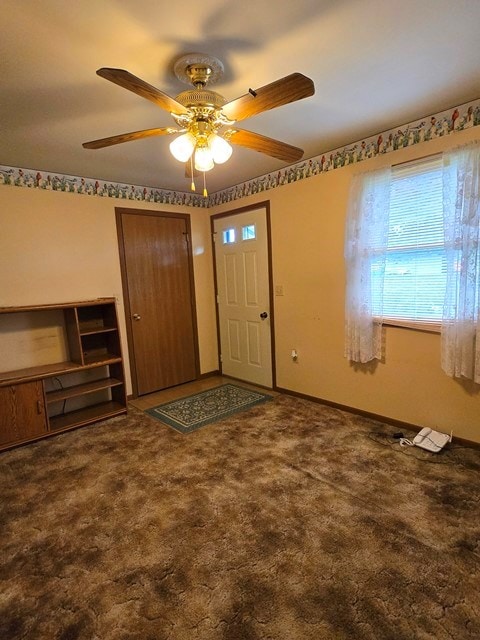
{"x": 33, "y": 178}
{"x": 428, "y": 128}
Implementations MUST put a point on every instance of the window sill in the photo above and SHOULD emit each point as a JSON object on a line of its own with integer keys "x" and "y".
{"x": 430, "y": 327}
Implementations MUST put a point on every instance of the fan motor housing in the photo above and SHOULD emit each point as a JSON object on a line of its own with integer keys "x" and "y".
{"x": 201, "y": 98}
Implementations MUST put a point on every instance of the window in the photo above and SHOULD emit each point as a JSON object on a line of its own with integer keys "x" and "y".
{"x": 412, "y": 253}
{"x": 248, "y": 232}
{"x": 229, "y": 236}
{"x": 413, "y": 263}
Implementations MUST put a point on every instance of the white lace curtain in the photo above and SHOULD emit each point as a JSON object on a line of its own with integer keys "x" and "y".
{"x": 461, "y": 326}
{"x": 366, "y": 238}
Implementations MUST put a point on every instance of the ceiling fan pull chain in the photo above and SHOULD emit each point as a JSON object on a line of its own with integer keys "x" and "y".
{"x": 205, "y": 192}
{"x": 192, "y": 186}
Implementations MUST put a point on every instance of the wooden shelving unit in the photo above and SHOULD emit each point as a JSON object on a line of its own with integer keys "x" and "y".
{"x": 48, "y": 397}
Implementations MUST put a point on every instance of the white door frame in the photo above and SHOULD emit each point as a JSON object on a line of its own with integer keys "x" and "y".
{"x": 258, "y": 205}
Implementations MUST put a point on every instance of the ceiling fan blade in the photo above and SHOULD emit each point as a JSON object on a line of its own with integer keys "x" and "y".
{"x": 128, "y": 137}
{"x": 294, "y": 87}
{"x": 271, "y": 147}
{"x": 141, "y": 88}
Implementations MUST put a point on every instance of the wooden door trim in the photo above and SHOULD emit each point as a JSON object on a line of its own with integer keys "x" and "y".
{"x": 226, "y": 214}
{"x": 119, "y": 211}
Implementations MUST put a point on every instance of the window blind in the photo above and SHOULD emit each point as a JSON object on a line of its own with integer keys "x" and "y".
{"x": 415, "y": 265}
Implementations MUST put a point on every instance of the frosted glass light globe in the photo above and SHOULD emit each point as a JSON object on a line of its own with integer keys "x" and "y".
{"x": 221, "y": 150}
{"x": 182, "y": 147}
{"x": 203, "y": 159}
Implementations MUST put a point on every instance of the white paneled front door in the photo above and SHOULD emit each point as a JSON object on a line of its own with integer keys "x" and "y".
{"x": 243, "y": 295}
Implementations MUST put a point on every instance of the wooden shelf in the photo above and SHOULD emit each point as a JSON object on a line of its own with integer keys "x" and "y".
{"x": 58, "y": 305}
{"x": 84, "y": 334}
{"x": 52, "y": 370}
{"x": 100, "y": 358}
{"x": 82, "y": 389}
{"x": 35, "y": 373}
{"x": 91, "y": 330}
{"x": 86, "y": 416}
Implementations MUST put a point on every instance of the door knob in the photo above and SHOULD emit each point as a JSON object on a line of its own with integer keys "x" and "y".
{"x": 136, "y": 316}
{"x": 264, "y": 315}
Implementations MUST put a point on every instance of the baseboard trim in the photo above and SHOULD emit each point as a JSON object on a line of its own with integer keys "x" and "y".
{"x": 467, "y": 443}
{"x": 209, "y": 374}
{"x": 373, "y": 416}
{"x": 246, "y": 382}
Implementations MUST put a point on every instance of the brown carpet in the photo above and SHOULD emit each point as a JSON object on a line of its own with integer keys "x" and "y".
{"x": 289, "y": 521}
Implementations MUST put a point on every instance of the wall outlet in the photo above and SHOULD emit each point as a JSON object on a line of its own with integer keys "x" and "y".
{"x": 279, "y": 289}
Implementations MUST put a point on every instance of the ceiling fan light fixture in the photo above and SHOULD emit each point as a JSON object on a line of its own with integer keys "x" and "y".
{"x": 220, "y": 148}
{"x": 199, "y": 113}
{"x": 182, "y": 147}
{"x": 203, "y": 158}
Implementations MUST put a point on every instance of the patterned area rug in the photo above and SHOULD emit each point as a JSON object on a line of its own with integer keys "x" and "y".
{"x": 190, "y": 413}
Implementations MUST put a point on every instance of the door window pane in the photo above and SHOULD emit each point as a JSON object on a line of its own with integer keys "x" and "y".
{"x": 228, "y": 236}
{"x": 248, "y": 232}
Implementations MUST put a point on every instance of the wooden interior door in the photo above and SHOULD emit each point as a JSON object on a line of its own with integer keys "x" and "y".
{"x": 159, "y": 298}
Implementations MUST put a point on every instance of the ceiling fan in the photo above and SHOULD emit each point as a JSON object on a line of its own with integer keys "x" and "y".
{"x": 205, "y": 120}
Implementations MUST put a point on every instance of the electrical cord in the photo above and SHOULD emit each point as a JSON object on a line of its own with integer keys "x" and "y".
{"x": 61, "y": 387}
{"x": 445, "y": 456}
{"x": 405, "y": 442}
{"x": 406, "y": 450}
{"x": 59, "y": 381}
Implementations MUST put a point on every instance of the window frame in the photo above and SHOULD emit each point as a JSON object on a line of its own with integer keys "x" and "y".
{"x": 433, "y": 326}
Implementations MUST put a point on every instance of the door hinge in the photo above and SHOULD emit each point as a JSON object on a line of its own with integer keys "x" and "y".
{"x": 218, "y": 299}
{"x": 214, "y": 236}
{"x": 220, "y": 357}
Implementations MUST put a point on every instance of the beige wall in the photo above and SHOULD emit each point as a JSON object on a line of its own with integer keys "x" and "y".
{"x": 308, "y": 219}
{"x": 60, "y": 247}
{"x": 57, "y": 247}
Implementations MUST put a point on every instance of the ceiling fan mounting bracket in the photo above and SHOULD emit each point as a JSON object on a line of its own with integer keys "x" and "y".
{"x": 198, "y": 69}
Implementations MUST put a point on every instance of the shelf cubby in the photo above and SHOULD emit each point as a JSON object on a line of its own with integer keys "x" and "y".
{"x": 94, "y": 319}
{"x": 82, "y": 389}
{"x": 89, "y": 414}
{"x": 100, "y": 346}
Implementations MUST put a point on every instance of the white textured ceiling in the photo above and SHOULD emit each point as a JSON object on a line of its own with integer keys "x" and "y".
{"x": 376, "y": 64}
